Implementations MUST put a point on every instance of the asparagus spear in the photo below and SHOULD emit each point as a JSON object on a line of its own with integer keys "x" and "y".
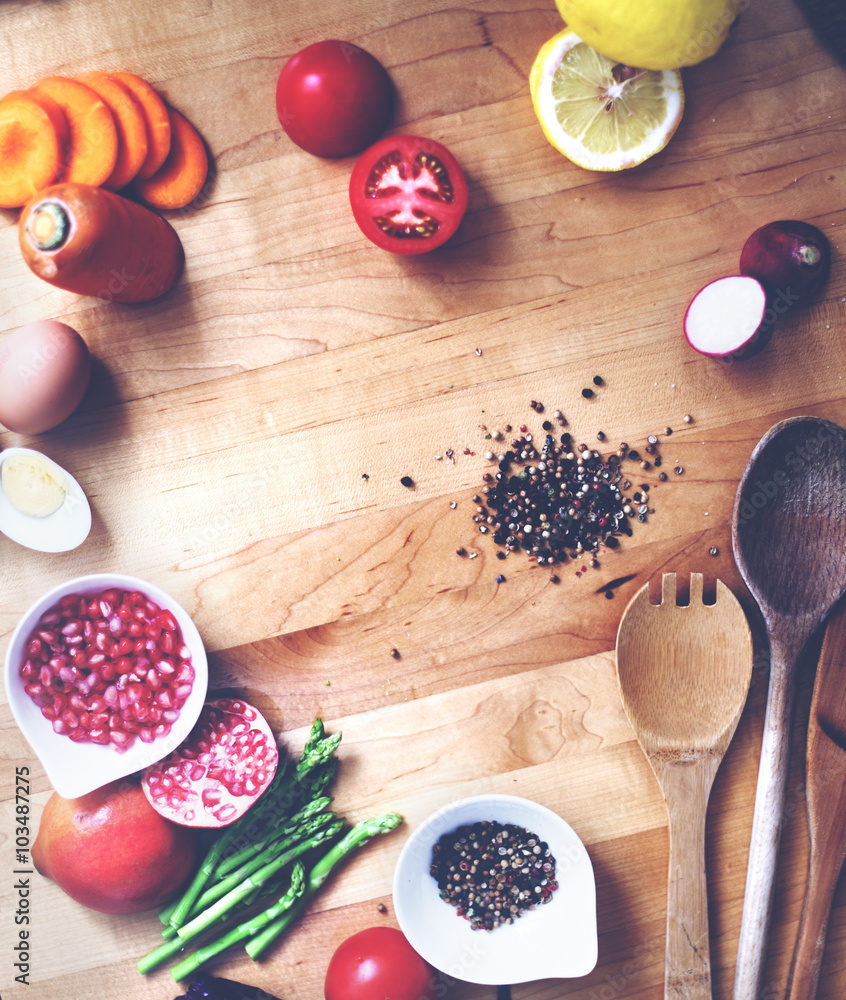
{"x": 258, "y": 878}
{"x": 245, "y": 929}
{"x": 283, "y": 794}
{"x": 311, "y": 794}
{"x": 304, "y": 830}
{"x": 354, "y": 838}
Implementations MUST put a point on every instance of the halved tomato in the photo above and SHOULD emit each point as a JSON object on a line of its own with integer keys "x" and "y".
{"x": 408, "y": 194}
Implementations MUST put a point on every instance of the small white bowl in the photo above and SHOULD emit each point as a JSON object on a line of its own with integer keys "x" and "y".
{"x": 558, "y": 939}
{"x": 75, "y": 769}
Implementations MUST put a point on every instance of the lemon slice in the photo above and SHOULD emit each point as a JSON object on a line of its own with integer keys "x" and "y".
{"x": 601, "y": 114}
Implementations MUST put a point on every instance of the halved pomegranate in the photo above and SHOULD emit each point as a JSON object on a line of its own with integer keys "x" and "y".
{"x": 221, "y": 769}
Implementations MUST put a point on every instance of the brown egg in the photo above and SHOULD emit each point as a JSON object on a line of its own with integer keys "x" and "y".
{"x": 44, "y": 372}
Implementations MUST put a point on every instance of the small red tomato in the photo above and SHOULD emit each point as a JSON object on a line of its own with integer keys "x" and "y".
{"x": 408, "y": 194}
{"x": 333, "y": 98}
{"x": 379, "y": 964}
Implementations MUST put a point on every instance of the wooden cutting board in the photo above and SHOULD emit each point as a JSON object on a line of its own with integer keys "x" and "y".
{"x": 243, "y": 442}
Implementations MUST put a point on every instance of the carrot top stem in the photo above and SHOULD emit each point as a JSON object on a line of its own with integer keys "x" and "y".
{"x": 48, "y": 226}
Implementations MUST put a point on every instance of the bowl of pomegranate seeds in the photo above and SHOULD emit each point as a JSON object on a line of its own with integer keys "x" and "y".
{"x": 105, "y": 675}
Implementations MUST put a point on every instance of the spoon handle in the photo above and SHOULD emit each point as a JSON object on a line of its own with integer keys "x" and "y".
{"x": 686, "y": 783}
{"x": 825, "y": 792}
{"x": 828, "y": 850}
{"x": 766, "y": 823}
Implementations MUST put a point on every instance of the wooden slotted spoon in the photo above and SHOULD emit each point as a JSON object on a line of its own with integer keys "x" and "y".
{"x": 684, "y": 675}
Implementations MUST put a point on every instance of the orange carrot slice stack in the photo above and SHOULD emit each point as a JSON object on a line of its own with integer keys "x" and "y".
{"x": 158, "y": 121}
{"x": 93, "y": 135}
{"x": 33, "y": 144}
{"x": 182, "y": 175}
{"x": 131, "y": 124}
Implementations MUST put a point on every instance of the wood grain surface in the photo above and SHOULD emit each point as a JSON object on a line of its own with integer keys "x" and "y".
{"x": 243, "y": 440}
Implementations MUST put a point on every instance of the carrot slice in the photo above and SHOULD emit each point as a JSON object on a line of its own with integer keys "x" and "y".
{"x": 183, "y": 174}
{"x": 131, "y": 125}
{"x": 93, "y": 135}
{"x": 33, "y": 143}
{"x": 158, "y": 121}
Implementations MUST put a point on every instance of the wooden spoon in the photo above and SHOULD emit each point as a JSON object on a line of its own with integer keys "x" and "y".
{"x": 789, "y": 539}
{"x": 825, "y": 783}
{"x": 684, "y": 674}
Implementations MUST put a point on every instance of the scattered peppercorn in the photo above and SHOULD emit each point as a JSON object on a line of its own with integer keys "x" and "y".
{"x": 407, "y": 481}
{"x": 587, "y": 393}
{"x": 395, "y": 653}
{"x": 492, "y": 873}
{"x": 500, "y": 579}
{"x": 713, "y": 551}
{"x": 598, "y": 380}
{"x": 688, "y": 419}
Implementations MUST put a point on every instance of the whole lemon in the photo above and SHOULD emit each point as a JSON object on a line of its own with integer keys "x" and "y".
{"x": 652, "y": 34}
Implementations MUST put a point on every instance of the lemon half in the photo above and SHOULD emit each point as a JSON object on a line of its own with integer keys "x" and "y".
{"x": 601, "y": 114}
{"x": 652, "y": 34}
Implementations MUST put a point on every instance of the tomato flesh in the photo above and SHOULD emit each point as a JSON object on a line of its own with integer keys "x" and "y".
{"x": 333, "y": 99}
{"x": 408, "y": 194}
{"x": 379, "y": 964}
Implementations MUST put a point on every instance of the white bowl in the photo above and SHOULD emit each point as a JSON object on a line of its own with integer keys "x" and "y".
{"x": 75, "y": 769}
{"x": 558, "y": 939}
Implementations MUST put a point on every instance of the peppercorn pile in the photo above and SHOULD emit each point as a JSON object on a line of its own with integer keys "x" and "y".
{"x": 557, "y": 500}
{"x": 492, "y": 873}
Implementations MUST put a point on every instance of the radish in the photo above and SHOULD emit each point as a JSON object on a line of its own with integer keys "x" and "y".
{"x": 730, "y": 318}
{"x": 791, "y": 260}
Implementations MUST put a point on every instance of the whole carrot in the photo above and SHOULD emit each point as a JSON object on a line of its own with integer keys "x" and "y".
{"x": 94, "y": 242}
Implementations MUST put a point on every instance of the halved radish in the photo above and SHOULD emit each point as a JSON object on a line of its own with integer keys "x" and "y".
{"x": 219, "y": 771}
{"x": 730, "y": 318}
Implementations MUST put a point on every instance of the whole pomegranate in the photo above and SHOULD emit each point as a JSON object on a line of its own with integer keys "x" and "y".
{"x": 111, "y": 851}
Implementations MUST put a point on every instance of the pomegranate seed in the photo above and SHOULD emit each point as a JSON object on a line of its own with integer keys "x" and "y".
{"x": 164, "y": 698}
{"x": 60, "y": 727}
{"x": 120, "y": 740}
{"x": 135, "y": 628}
{"x": 101, "y": 736}
{"x": 70, "y": 719}
{"x": 186, "y": 673}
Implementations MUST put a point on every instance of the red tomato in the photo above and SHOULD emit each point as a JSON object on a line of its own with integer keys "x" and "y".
{"x": 333, "y": 98}
{"x": 379, "y": 964}
{"x": 408, "y": 195}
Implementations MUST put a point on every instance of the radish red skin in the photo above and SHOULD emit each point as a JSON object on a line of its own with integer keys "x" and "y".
{"x": 791, "y": 259}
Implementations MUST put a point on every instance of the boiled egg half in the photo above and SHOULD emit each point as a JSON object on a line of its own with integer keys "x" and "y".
{"x": 41, "y": 505}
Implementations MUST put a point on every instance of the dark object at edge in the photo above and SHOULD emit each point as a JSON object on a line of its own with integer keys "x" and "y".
{"x": 205, "y": 987}
{"x": 828, "y": 19}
